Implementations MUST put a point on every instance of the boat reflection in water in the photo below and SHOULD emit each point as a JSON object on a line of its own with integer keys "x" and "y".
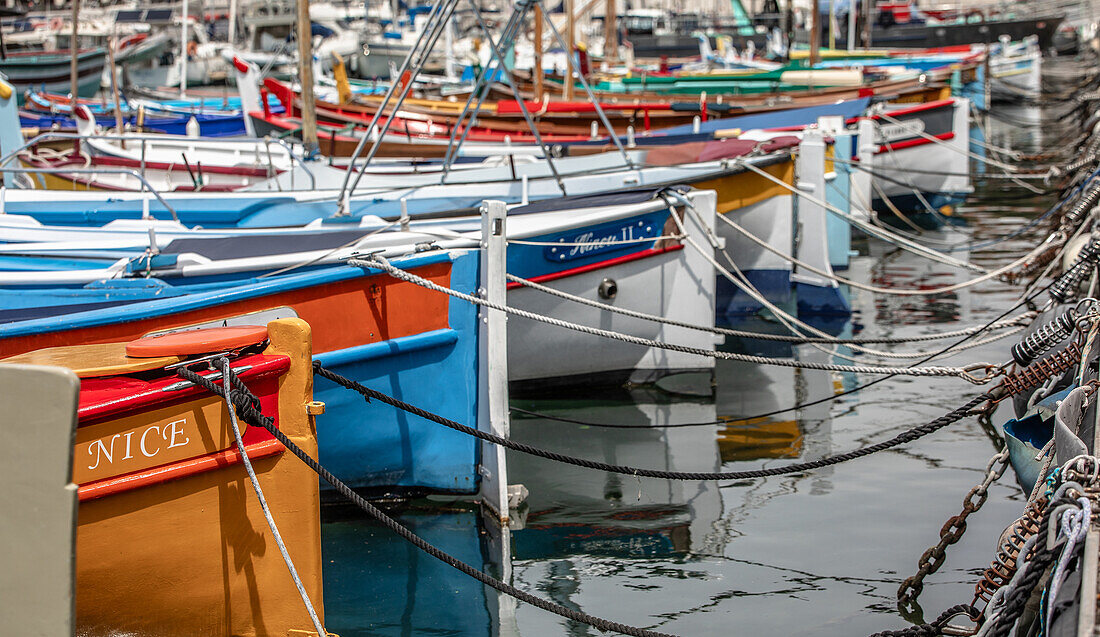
{"x": 583, "y": 535}
{"x": 382, "y": 585}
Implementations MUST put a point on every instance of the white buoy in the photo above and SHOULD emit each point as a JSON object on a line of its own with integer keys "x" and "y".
{"x": 695, "y": 121}
{"x": 193, "y": 127}
{"x": 630, "y": 143}
{"x": 595, "y": 129}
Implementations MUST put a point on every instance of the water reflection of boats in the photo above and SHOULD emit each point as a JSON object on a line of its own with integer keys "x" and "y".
{"x": 381, "y": 584}
{"x": 573, "y": 510}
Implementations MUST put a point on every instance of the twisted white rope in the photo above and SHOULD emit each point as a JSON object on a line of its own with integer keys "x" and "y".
{"x": 380, "y": 263}
{"x": 878, "y": 233}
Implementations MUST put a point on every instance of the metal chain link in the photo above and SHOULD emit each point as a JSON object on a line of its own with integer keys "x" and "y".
{"x": 952, "y": 530}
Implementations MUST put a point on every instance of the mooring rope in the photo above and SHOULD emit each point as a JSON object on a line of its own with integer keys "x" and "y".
{"x": 248, "y": 405}
{"x": 880, "y": 290}
{"x": 1016, "y": 321}
{"x": 226, "y": 392}
{"x": 878, "y": 233}
{"x": 908, "y": 435}
{"x": 967, "y": 373}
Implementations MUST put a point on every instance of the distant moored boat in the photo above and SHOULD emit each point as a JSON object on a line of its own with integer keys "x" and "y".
{"x": 49, "y": 71}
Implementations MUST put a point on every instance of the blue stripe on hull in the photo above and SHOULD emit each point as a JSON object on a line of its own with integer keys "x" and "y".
{"x": 775, "y": 285}
{"x": 375, "y": 445}
{"x": 817, "y": 300}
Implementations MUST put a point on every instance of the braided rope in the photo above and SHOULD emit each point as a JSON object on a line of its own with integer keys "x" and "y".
{"x": 380, "y": 263}
{"x": 902, "y": 438}
{"x": 879, "y": 290}
{"x": 248, "y": 406}
{"x": 1022, "y": 319}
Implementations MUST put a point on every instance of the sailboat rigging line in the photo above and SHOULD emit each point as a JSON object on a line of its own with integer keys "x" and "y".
{"x": 977, "y": 373}
{"x": 499, "y": 57}
{"x": 437, "y": 29}
{"x": 247, "y": 405}
{"x": 438, "y": 11}
{"x": 385, "y": 101}
{"x": 878, "y": 172}
{"x": 891, "y": 291}
{"x": 1008, "y": 168}
{"x": 587, "y": 89}
{"x": 909, "y": 435}
{"x": 480, "y": 89}
{"x": 739, "y": 280}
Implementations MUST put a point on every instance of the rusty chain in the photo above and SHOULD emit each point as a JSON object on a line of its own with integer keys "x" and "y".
{"x": 952, "y": 530}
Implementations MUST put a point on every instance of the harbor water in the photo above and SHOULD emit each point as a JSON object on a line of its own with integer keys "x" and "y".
{"x": 815, "y": 554}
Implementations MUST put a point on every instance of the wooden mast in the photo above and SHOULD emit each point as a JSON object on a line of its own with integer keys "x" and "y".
{"x": 537, "y": 70}
{"x": 815, "y": 32}
{"x": 185, "y": 38}
{"x": 610, "y": 34}
{"x": 74, "y": 53}
{"x": 114, "y": 87}
{"x": 305, "y": 78}
{"x": 571, "y": 44}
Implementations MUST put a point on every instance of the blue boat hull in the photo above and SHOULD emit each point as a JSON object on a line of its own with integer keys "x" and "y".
{"x": 210, "y": 125}
{"x": 366, "y": 445}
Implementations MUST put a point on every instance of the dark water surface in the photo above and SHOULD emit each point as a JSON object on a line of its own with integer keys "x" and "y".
{"x": 819, "y": 554}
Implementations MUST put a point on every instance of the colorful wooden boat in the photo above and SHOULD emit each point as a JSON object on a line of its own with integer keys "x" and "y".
{"x": 171, "y": 538}
{"x": 366, "y": 326}
{"x": 34, "y": 70}
{"x": 210, "y": 124}
{"x": 122, "y": 173}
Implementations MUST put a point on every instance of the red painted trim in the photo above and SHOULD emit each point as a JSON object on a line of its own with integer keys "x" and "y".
{"x": 909, "y": 143}
{"x": 126, "y": 162}
{"x": 176, "y": 470}
{"x": 637, "y": 256}
{"x": 919, "y": 108}
{"x": 101, "y": 399}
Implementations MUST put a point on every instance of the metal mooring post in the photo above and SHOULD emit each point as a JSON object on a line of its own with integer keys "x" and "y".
{"x": 493, "y": 359}
{"x": 492, "y": 414}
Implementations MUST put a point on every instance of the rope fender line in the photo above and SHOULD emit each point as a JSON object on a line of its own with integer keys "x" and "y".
{"x": 909, "y": 435}
{"x": 248, "y": 408}
{"x": 968, "y": 373}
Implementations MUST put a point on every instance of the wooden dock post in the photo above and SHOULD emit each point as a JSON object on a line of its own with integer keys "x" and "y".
{"x": 39, "y": 500}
